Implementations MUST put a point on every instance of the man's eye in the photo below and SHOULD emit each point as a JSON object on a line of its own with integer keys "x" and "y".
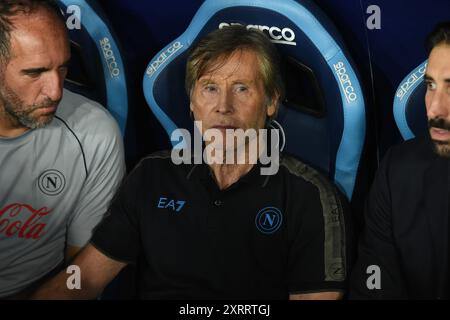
{"x": 430, "y": 85}
{"x": 33, "y": 74}
{"x": 241, "y": 88}
{"x": 210, "y": 88}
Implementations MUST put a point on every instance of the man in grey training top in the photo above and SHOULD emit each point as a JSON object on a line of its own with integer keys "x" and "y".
{"x": 61, "y": 155}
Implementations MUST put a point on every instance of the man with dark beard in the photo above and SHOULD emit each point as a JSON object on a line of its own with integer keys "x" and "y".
{"x": 61, "y": 155}
{"x": 404, "y": 250}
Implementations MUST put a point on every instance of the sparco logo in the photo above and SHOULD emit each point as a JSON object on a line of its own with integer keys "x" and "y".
{"x": 408, "y": 83}
{"x": 158, "y": 62}
{"x": 344, "y": 79}
{"x": 277, "y": 35}
{"x": 110, "y": 59}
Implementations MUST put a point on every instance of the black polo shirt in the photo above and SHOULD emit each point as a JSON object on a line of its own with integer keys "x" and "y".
{"x": 263, "y": 237}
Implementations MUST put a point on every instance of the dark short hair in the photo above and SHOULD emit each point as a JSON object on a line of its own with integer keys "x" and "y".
{"x": 11, "y": 8}
{"x": 439, "y": 35}
{"x": 222, "y": 43}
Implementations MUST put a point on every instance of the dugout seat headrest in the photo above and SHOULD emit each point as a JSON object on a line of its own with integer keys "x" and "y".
{"x": 409, "y": 104}
{"x": 96, "y": 69}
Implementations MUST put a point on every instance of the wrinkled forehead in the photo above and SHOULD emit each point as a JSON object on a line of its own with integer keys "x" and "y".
{"x": 240, "y": 62}
{"x": 37, "y": 31}
{"x": 38, "y": 42}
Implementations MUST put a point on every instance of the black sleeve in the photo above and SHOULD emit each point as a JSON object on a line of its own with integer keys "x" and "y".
{"x": 117, "y": 236}
{"x": 319, "y": 253}
{"x": 376, "y": 247}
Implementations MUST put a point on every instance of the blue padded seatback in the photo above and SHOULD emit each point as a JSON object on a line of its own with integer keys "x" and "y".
{"x": 97, "y": 70}
{"x": 409, "y": 104}
{"x": 323, "y": 115}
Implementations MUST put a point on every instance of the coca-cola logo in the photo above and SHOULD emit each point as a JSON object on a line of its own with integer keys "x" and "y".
{"x": 23, "y": 221}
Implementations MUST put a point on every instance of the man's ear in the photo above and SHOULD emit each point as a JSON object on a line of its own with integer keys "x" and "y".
{"x": 191, "y": 112}
{"x": 272, "y": 106}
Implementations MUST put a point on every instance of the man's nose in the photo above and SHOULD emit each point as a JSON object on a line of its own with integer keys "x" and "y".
{"x": 53, "y": 86}
{"x": 439, "y": 105}
{"x": 225, "y": 103}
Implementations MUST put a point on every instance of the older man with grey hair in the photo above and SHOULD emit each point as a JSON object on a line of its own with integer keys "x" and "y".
{"x": 222, "y": 230}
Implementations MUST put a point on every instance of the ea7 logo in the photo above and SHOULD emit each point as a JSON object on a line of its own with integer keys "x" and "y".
{"x": 175, "y": 205}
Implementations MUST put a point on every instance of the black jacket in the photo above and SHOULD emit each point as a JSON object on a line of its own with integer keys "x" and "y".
{"x": 406, "y": 226}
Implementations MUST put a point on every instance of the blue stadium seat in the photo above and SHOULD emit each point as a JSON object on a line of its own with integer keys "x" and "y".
{"x": 409, "y": 104}
{"x": 97, "y": 70}
{"x": 323, "y": 115}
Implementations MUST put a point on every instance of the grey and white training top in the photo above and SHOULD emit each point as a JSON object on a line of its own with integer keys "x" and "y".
{"x": 55, "y": 185}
